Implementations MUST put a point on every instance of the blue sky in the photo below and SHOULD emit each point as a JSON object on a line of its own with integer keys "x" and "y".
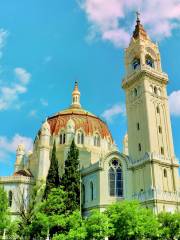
{"x": 46, "y": 45}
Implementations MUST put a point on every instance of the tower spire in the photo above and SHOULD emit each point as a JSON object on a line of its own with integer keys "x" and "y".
{"x": 139, "y": 31}
{"x": 76, "y": 97}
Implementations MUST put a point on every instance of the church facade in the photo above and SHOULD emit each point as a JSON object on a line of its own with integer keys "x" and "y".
{"x": 147, "y": 168}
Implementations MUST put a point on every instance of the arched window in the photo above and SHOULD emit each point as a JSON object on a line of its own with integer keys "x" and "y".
{"x": 149, "y": 61}
{"x": 136, "y": 63}
{"x": 135, "y": 92}
{"x": 97, "y": 140}
{"x": 83, "y": 194}
{"x": 158, "y": 109}
{"x": 62, "y": 138}
{"x": 80, "y": 137}
{"x": 165, "y": 173}
{"x": 115, "y": 179}
{"x": 160, "y": 129}
{"x": 155, "y": 90}
{"x": 162, "y": 150}
{"x": 10, "y": 195}
{"x": 92, "y": 191}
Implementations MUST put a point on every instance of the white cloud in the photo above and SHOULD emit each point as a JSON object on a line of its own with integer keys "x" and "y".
{"x": 174, "y": 103}
{"x": 9, "y": 95}
{"x": 113, "y": 19}
{"x": 115, "y": 110}
{"x": 22, "y": 75}
{"x": 3, "y": 37}
{"x": 9, "y": 146}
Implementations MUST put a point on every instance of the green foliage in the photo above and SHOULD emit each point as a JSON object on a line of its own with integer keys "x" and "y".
{"x": 39, "y": 226}
{"x": 169, "y": 225}
{"x": 50, "y": 215}
{"x": 71, "y": 179}
{"x": 55, "y": 203}
{"x": 4, "y": 219}
{"x": 74, "y": 228}
{"x": 27, "y": 207}
{"x": 52, "y": 180}
{"x": 131, "y": 221}
{"x": 98, "y": 226}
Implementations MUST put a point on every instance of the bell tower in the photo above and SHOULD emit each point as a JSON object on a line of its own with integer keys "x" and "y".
{"x": 150, "y": 144}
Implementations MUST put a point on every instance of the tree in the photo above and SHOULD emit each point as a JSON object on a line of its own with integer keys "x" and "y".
{"x": 4, "y": 219}
{"x": 71, "y": 179}
{"x": 74, "y": 228}
{"x": 27, "y": 206}
{"x": 169, "y": 225}
{"x": 53, "y": 179}
{"x": 50, "y": 215}
{"x": 98, "y": 226}
{"x": 131, "y": 221}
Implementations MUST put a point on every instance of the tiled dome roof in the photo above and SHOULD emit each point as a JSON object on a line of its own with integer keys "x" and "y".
{"x": 83, "y": 119}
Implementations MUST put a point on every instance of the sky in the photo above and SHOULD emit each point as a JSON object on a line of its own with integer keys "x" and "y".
{"x": 47, "y": 45}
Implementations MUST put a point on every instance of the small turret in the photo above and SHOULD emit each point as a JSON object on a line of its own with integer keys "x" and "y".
{"x": 20, "y": 152}
{"x": 76, "y": 97}
{"x": 44, "y": 149}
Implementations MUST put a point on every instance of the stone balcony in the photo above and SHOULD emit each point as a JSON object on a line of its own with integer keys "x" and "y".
{"x": 16, "y": 179}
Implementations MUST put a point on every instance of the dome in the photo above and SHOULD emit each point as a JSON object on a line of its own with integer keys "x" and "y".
{"x": 83, "y": 120}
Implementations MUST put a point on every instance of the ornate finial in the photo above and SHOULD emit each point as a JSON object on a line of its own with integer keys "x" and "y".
{"x": 139, "y": 31}
{"x": 137, "y": 17}
{"x": 76, "y": 96}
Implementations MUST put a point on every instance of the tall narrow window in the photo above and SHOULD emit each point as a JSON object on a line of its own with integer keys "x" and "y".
{"x": 112, "y": 181}
{"x": 83, "y": 194}
{"x": 165, "y": 173}
{"x": 155, "y": 90}
{"x": 62, "y": 139}
{"x": 139, "y": 147}
{"x": 92, "y": 191}
{"x": 162, "y": 150}
{"x": 138, "y": 126}
{"x": 160, "y": 129}
{"x": 136, "y": 63}
{"x": 149, "y": 61}
{"x": 158, "y": 109}
{"x": 97, "y": 140}
{"x": 80, "y": 137}
{"x": 119, "y": 182}
{"x": 135, "y": 92}
{"x": 115, "y": 179}
{"x": 10, "y": 195}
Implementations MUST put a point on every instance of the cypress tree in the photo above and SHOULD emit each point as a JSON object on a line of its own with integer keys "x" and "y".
{"x": 71, "y": 179}
{"x": 53, "y": 180}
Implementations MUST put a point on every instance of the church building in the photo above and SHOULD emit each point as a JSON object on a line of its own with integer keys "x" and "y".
{"x": 146, "y": 170}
